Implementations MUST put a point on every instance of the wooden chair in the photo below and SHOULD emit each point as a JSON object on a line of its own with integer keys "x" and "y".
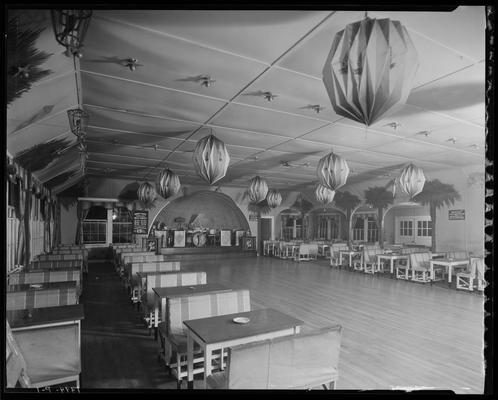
{"x": 15, "y": 365}
{"x": 168, "y": 279}
{"x": 420, "y": 268}
{"x": 369, "y": 260}
{"x": 173, "y": 334}
{"x": 465, "y": 280}
{"x": 301, "y": 361}
{"x": 334, "y": 253}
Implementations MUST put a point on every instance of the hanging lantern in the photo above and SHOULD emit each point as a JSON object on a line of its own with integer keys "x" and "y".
{"x": 78, "y": 121}
{"x": 370, "y": 69}
{"x": 332, "y": 171}
{"x": 411, "y": 180}
{"x": 211, "y": 159}
{"x": 70, "y": 28}
{"x": 168, "y": 183}
{"x": 273, "y": 198}
{"x": 324, "y": 195}
{"x": 146, "y": 193}
{"x": 257, "y": 190}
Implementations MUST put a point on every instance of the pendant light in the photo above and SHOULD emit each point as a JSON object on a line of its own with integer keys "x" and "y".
{"x": 168, "y": 183}
{"x": 211, "y": 159}
{"x": 146, "y": 193}
{"x": 332, "y": 171}
{"x": 324, "y": 195}
{"x": 411, "y": 180}
{"x": 273, "y": 198}
{"x": 257, "y": 190}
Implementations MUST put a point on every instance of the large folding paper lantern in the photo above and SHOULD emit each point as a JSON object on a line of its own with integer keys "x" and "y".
{"x": 257, "y": 190}
{"x": 324, "y": 195}
{"x": 273, "y": 198}
{"x": 211, "y": 159}
{"x": 332, "y": 171}
{"x": 370, "y": 69}
{"x": 168, "y": 183}
{"x": 146, "y": 193}
{"x": 411, "y": 180}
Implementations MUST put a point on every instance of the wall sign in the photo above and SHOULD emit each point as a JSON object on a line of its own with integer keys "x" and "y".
{"x": 456, "y": 214}
{"x": 140, "y": 222}
{"x": 253, "y": 217}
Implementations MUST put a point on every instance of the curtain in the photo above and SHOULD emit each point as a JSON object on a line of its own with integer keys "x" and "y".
{"x": 20, "y": 207}
{"x": 82, "y": 211}
{"x": 28, "y": 219}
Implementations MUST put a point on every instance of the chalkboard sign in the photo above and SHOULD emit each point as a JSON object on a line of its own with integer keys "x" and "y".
{"x": 140, "y": 222}
{"x": 456, "y": 214}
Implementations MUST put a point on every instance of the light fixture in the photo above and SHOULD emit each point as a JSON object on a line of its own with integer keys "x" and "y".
{"x": 425, "y": 133}
{"x": 114, "y": 214}
{"x": 370, "y": 69}
{"x": 393, "y": 125}
{"x": 411, "y": 180}
{"x": 257, "y": 190}
{"x": 211, "y": 159}
{"x": 206, "y": 81}
{"x": 146, "y": 193}
{"x": 78, "y": 121}
{"x": 332, "y": 171}
{"x": 324, "y": 195}
{"x": 273, "y": 198}
{"x": 452, "y": 140}
{"x": 269, "y": 96}
{"x": 316, "y": 108}
{"x": 132, "y": 64}
{"x": 168, "y": 183}
{"x": 70, "y": 27}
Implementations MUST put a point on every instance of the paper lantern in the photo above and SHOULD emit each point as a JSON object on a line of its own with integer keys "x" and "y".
{"x": 411, "y": 180}
{"x": 168, "y": 183}
{"x": 211, "y": 159}
{"x": 258, "y": 189}
{"x": 324, "y": 195}
{"x": 370, "y": 69}
{"x": 332, "y": 171}
{"x": 146, "y": 193}
{"x": 273, "y": 198}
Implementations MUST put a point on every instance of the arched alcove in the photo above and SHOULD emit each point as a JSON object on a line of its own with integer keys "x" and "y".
{"x": 206, "y": 209}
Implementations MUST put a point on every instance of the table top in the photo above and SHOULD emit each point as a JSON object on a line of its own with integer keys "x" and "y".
{"x": 46, "y": 315}
{"x": 222, "y": 328}
{"x": 450, "y": 260}
{"x": 41, "y": 286}
{"x": 178, "y": 291}
{"x": 349, "y": 251}
{"x": 393, "y": 255}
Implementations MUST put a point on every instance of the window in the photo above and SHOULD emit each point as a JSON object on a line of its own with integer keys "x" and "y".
{"x": 424, "y": 228}
{"x": 373, "y": 232}
{"x": 95, "y": 225}
{"x": 406, "y": 228}
{"x": 359, "y": 230}
{"x": 122, "y": 226}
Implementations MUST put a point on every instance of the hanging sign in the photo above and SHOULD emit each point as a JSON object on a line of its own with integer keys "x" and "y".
{"x": 140, "y": 222}
{"x": 456, "y": 214}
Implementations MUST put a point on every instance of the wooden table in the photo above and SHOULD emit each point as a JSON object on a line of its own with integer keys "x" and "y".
{"x": 45, "y": 317}
{"x": 322, "y": 248}
{"x": 391, "y": 257}
{"x": 215, "y": 333}
{"x": 292, "y": 248}
{"x": 163, "y": 293}
{"x": 449, "y": 264}
{"x": 349, "y": 253}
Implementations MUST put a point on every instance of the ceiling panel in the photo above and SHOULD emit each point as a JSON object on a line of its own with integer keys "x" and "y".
{"x": 311, "y": 148}
{"x": 408, "y": 148}
{"x": 120, "y": 149}
{"x": 460, "y": 95}
{"x": 295, "y": 93}
{"x": 111, "y": 43}
{"x": 465, "y": 135}
{"x": 120, "y": 120}
{"x": 53, "y": 127}
{"x": 449, "y": 159}
{"x": 234, "y": 31}
{"x": 256, "y": 119}
{"x": 144, "y": 99}
{"x": 241, "y": 137}
{"x": 43, "y": 100}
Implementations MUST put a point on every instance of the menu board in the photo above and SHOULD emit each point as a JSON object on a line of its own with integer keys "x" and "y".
{"x": 140, "y": 222}
{"x": 456, "y": 214}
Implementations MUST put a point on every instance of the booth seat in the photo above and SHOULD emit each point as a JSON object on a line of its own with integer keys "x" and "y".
{"x": 170, "y": 279}
{"x": 47, "y": 275}
{"x": 302, "y": 361}
{"x": 149, "y": 264}
{"x": 65, "y": 257}
{"x": 140, "y": 256}
{"x": 173, "y": 333}
{"x": 55, "y": 264}
{"x": 26, "y": 299}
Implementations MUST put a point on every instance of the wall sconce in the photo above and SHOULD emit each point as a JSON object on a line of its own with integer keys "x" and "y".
{"x": 78, "y": 121}
{"x": 70, "y": 28}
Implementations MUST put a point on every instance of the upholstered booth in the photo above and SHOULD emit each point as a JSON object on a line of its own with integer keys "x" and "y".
{"x": 131, "y": 280}
{"x": 46, "y": 275}
{"x": 302, "y": 361}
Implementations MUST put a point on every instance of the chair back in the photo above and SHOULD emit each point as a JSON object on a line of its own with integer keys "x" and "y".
{"x": 179, "y": 309}
{"x": 308, "y": 248}
{"x": 169, "y": 279}
{"x": 409, "y": 250}
{"x": 15, "y": 363}
{"x": 370, "y": 254}
{"x": 291, "y": 362}
{"x": 70, "y": 250}
{"x": 420, "y": 260}
{"x": 60, "y": 257}
{"x": 477, "y": 267}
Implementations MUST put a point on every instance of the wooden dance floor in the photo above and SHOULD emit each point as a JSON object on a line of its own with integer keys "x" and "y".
{"x": 396, "y": 334}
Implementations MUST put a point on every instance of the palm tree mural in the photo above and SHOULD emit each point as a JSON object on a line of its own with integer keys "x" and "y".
{"x": 347, "y": 201}
{"x": 379, "y": 197}
{"x": 436, "y": 195}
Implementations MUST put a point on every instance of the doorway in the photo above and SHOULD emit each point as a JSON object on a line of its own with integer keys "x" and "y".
{"x": 266, "y": 231}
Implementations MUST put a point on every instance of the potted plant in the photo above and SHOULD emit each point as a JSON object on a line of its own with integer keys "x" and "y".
{"x": 379, "y": 197}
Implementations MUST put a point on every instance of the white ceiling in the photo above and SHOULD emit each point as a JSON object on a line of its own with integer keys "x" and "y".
{"x": 246, "y": 52}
